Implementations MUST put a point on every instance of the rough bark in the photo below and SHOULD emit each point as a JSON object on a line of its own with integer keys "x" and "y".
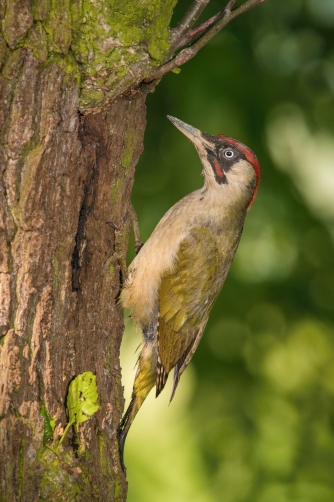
{"x": 63, "y": 177}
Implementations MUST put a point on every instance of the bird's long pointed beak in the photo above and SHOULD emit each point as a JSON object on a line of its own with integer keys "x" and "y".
{"x": 188, "y": 130}
{"x": 195, "y": 135}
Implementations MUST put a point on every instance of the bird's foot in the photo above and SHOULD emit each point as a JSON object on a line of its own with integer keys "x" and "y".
{"x": 119, "y": 254}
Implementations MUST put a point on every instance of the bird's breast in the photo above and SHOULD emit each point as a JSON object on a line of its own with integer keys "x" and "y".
{"x": 159, "y": 254}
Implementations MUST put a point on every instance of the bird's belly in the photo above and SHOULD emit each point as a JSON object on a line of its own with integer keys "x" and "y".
{"x": 159, "y": 256}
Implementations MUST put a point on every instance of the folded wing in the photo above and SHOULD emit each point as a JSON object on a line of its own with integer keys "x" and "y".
{"x": 186, "y": 296}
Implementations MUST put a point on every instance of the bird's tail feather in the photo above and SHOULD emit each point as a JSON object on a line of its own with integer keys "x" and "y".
{"x": 144, "y": 381}
{"x": 123, "y": 429}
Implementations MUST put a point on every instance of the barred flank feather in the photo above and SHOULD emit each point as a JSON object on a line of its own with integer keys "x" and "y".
{"x": 161, "y": 377}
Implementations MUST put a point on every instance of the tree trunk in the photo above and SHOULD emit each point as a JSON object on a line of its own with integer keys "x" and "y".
{"x": 65, "y": 173}
{"x": 64, "y": 178}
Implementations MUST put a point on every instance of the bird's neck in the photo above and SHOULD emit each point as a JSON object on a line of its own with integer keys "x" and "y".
{"x": 228, "y": 197}
{"x": 237, "y": 189}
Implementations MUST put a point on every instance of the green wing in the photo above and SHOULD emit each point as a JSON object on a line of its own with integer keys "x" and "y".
{"x": 186, "y": 296}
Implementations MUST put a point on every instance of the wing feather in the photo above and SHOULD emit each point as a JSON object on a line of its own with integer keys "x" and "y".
{"x": 186, "y": 296}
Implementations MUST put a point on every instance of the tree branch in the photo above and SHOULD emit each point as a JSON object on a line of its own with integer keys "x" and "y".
{"x": 191, "y": 34}
{"x": 216, "y": 25}
{"x": 188, "y": 21}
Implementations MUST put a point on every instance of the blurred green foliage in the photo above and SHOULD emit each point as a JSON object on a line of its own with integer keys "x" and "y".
{"x": 254, "y": 418}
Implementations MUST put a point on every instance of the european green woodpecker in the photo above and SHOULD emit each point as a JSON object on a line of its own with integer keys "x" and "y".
{"x": 176, "y": 277}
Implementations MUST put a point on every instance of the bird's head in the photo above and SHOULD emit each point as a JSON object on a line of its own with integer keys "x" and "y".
{"x": 227, "y": 162}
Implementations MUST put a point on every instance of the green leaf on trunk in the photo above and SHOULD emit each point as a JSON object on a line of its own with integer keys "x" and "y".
{"x": 49, "y": 424}
{"x": 82, "y": 398}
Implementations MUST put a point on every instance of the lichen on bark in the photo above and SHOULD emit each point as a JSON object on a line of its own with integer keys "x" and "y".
{"x": 112, "y": 44}
{"x": 118, "y": 40}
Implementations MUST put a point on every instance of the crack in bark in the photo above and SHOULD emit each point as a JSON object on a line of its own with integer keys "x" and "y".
{"x": 90, "y": 158}
{"x": 79, "y": 244}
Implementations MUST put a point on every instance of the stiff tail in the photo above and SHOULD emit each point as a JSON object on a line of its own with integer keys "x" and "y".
{"x": 123, "y": 429}
{"x": 144, "y": 381}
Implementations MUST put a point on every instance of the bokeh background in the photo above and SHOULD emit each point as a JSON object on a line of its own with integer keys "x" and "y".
{"x": 253, "y": 417}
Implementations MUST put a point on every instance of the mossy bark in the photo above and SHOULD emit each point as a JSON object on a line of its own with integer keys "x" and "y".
{"x": 72, "y": 130}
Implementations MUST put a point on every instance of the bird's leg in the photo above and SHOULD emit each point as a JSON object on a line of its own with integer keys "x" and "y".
{"x": 120, "y": 248}
{"x": 135, "y": 226}
{"x": 119, "y": 253}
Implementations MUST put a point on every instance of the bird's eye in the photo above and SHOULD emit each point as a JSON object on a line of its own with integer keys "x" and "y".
{"x": 229, "y": 154}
